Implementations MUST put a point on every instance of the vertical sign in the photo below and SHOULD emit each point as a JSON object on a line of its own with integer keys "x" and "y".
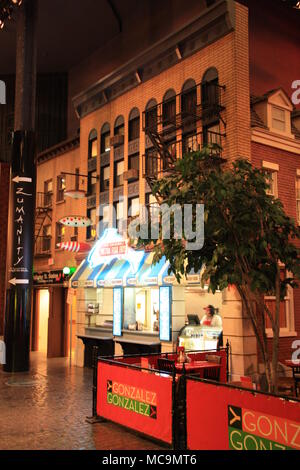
{"x": 20, "y": 245}
{"x": 118, "y": 311}
{"x": 20, "y": 266}
{"x": 165, "y": 306}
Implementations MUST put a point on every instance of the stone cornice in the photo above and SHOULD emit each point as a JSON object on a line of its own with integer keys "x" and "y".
{"x": 214, "y": 23}
{"x": 58, "y": 149}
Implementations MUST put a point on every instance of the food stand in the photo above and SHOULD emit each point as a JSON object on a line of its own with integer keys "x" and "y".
{"x": 128, "y": 299}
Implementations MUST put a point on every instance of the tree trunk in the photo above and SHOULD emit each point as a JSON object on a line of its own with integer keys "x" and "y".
{"x": 275, "y": 329}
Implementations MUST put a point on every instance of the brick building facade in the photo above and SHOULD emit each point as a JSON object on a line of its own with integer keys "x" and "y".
{"x": 213, "y": 39}
{"x": 275, "y": 146}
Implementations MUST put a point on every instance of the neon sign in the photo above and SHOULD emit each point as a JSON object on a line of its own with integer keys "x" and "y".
{"x": 113, "y": 246}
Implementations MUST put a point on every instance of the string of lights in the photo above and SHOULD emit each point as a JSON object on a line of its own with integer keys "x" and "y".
{"x": 6, "y": 10}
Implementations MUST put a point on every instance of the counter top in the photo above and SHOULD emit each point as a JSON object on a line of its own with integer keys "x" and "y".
{"x": 102, "y": 338}
{"x": 121, "y": 339}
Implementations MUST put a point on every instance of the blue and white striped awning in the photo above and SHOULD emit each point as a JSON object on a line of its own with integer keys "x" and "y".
{"x": 170, "y": 279}
{"x": 119, "y": 272}
{"x": 81, "y": 274}
{"x": 114, "y": 274}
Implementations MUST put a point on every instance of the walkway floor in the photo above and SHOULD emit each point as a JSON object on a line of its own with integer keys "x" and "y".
{"x": 47, "y": 409}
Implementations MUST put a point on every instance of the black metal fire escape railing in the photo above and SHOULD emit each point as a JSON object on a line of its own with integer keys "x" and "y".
{"x": 43, "y": 218}
{"x": 162, "y": 126}
{"x": 154, "y": 166}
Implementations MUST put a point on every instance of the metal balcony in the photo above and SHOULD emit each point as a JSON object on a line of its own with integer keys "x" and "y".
{"x": 43, "y": 246}
{"x": 43, "y": 213}
{"x": 156, "y": 165}
{"x": 165, "y": 119}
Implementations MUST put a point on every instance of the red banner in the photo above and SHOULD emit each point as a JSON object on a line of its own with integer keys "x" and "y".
{"x": 224, "y": 418}
{"x": 138, "y": 400}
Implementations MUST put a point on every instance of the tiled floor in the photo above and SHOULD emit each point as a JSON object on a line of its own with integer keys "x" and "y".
{"x": 47, "y": 409}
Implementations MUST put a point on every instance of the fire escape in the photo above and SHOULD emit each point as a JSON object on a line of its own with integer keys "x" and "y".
{"x": 170, "y": 134}
{"x": 43, "y": 220}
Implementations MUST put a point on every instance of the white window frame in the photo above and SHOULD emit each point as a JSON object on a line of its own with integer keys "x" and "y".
{"x": 273, "y": 169}
{"x": 289, "y": 330}
{"x": 277, "y": 119}
{"x": 297, "y": 188}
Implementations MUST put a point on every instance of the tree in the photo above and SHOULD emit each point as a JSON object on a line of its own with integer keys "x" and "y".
{"x": 248, "y": 238}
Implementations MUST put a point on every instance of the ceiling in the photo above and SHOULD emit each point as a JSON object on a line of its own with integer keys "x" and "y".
{"x": 71, "y": 30}
{"x": 67, "y": 34}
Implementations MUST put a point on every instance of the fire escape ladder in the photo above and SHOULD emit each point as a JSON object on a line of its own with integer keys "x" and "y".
{"x": 162, "y": 149}
{"x": 42, "y": 213}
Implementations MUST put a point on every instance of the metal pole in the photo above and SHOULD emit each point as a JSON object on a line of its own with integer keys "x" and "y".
{"x": 20, "y": 238}
{"x": 71, "y": 332}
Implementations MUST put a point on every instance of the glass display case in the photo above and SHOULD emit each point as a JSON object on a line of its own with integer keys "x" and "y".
{"x": 200, "y": 337}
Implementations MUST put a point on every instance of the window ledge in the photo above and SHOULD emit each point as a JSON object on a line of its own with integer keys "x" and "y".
{"x": 282, "y": 334}
{"x": 60, "y": 202}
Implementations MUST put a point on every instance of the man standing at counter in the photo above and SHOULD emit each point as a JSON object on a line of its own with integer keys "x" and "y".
{"x": 211, "y": 318}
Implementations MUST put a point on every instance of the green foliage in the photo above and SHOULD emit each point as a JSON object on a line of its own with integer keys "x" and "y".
{"x": 247, "y": 233}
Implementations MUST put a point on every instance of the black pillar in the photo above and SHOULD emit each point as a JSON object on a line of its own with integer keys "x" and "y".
{"x": 20, "y": 253}
{"x": 20, "y": 240}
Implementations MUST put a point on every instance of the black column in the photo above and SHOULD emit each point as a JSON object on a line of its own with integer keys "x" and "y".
{"x": 20, "y": 240}
{"x": 20, "y": 253}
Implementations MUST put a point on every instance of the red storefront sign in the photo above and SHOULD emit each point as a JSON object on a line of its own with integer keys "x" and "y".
{"x": 224, "y": 418}
{"x": 114, "y": 248}
{"x": 140, "y": 401}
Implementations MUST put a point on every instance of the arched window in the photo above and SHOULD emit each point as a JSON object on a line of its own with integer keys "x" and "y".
{"x": 210, "y": 95}
{"x": 169, "y": 108}
{"x": 209, "y": 88}
{"x": 119, "y": 126}
{"x": 151, "y": 115}
{"x": 92, "y": 152}
{"x": 189, "y": 98}
{"x": 134, "y": 124}
{"x": 105, "y": 136}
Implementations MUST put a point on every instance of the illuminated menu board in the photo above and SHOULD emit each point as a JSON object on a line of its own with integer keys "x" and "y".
{"x": 165, "y": 303}
{"x": 118, "y": 311}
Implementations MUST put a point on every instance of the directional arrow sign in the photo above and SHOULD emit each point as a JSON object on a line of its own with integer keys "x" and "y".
{"x": 20, "y": 179}
{"x": 15, "y": 281}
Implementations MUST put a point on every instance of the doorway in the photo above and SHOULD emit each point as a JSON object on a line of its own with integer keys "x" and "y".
{"x": 43, "y": 317}
{"x": 49, "y": 322}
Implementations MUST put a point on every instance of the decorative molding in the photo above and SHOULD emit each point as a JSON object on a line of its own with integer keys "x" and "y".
{"x": 119, "y": 153}
{"x": 133, "y": 189}
{"x": 265, "y": 137}
{"x": 59, "y": 149}
{"x": 133, "y": 147}
{"x": 214, "y": 23}
{"x": 92, "y": 164}
{"x": 91, "y": 201}
{"x": 104, "y": 197}
{"x": 105, "y": 159}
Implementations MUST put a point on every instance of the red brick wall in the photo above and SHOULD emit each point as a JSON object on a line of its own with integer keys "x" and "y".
{"x": 288, "y": 164}
{"x": 4, "y": 185}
